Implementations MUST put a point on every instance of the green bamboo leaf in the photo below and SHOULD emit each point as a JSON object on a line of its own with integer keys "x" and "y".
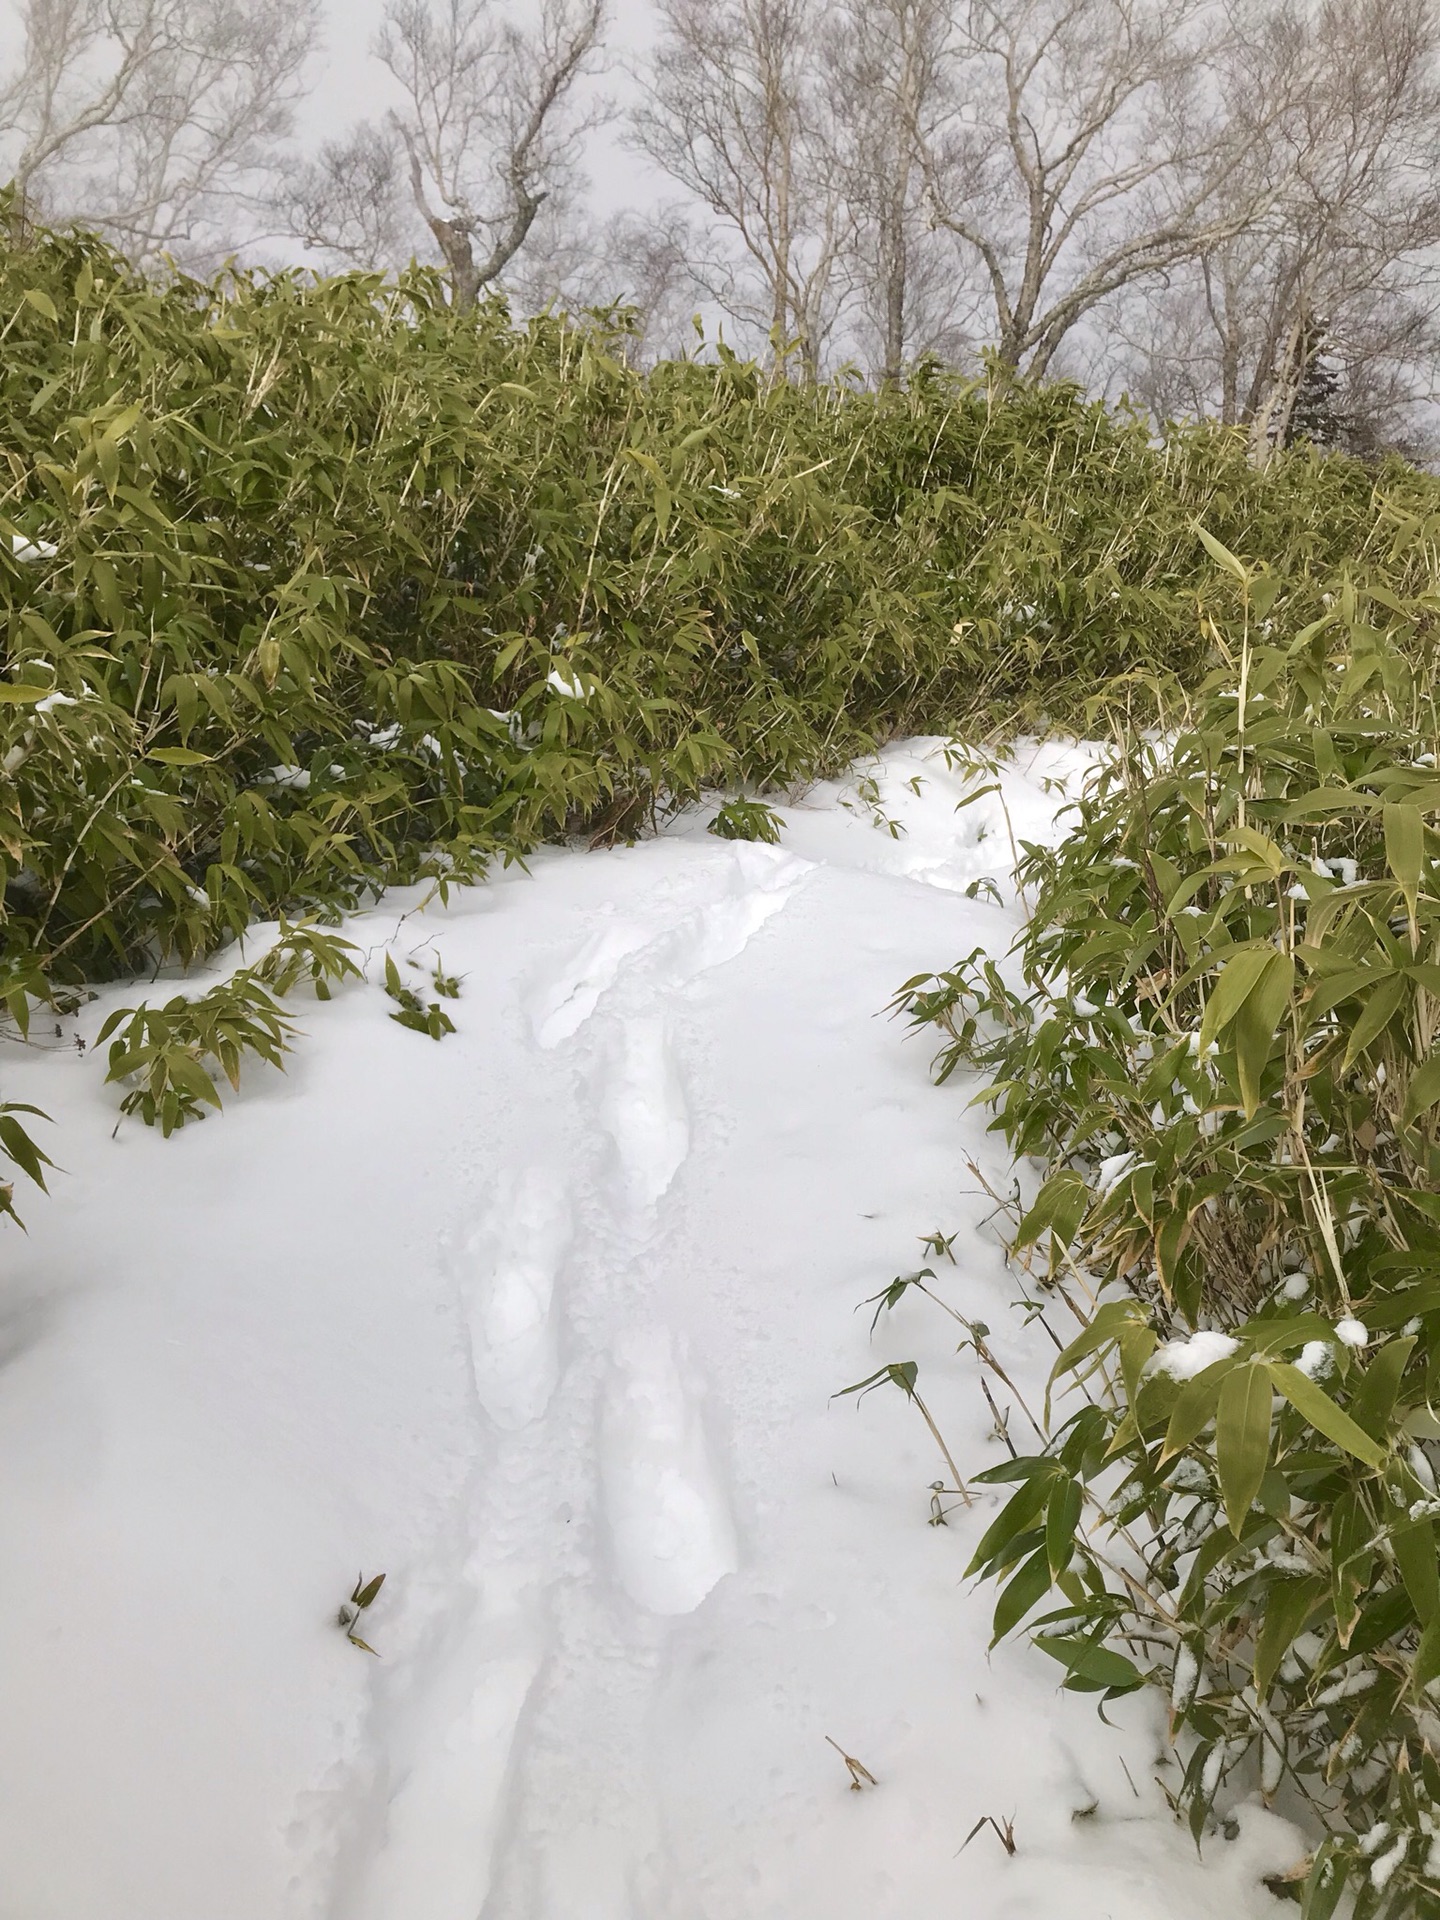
{"x": 1222, "y": 555}
{"x": 1414, "y": 1548}
{"x": 179, "y": 757}
{"x": 1325, "y": 1882}
{"x": 1381, "y": 1005}
{"x": 1255, "y": 1025}
{"x": 1288, "y": 1606}
{"x": 187, "y": 1074}
{"x": 1108, "y": 1324}
{"x": 1405, "y": 848}
{"x": 1237, "y": 980}
{"x": 1062, "y": 1516}
{"x": 1025, "y": 1589}
{"x": 1424, "y": 1090}
{"x": 364, "y": 1595}
{"x": 1373, "y": 1401}
{"x": 19, "y": 1147}
{"x": 1060, "y": 1205}
{"x": 1350, "y": 1528}
{"x": 1196, "y": 1405}
{"x": 1242, "y": 1439}
{"x": 1098, "y": 1666}
{"x": 1315, "y": 1405}
{"x": 1426, "y": 1665}
{"x": 1013, "y": 1518}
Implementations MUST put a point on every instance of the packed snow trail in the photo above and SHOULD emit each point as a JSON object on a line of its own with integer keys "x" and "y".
{"x": 544, "y": 1322}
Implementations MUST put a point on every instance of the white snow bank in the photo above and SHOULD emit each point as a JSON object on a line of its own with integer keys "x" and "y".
{"x": 544, "y": 1322}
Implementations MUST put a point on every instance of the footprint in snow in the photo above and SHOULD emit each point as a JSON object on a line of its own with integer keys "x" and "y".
{"x": 672, "y": 1536}
{"x": 561, "y": 1007}
{"x": 759, "y": 882}
{"x": 507, "y": 1267}
{"x": 643, "y": 1109}
{"x": 762, "y": 882}
{"x": 461, "y": 1742}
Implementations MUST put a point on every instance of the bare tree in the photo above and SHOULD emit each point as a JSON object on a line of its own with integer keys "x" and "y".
{"x": 152, "y": 120}
{"x": 884, "y": 61}
{"x": 490, "y": 126}
{"x": 1338, "y": 262}
{"x": 1076, "y": 150}
{"x": 1359, "y": 212}
{"x": 735, "y": 112}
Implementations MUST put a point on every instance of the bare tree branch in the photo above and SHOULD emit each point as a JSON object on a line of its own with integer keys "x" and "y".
{"x": 1076, "y": 150}
{"x": 353, "y": 200}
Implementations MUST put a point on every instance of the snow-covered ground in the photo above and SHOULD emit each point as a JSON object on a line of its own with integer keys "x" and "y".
{"x": 543, "y": 1322}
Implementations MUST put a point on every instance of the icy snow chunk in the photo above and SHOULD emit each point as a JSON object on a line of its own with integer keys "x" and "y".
{"x": 1296, "y": 1287}
{"x": 1183, "y": 1359}
{"x": 24, "y": 549}
{"x": 1189, "y": 1476}
{"x": 53, "y": 700}
{"x": 1187, "y": 1678}
{"x": 1384, "y": 1868}
{"x": 571, "y": 685}
{"x": 1316, "y": 1359}
{"x": 1351, "y": 1332}
{"x": 293, "y": 779}
{"x": 1112, "y": 1171}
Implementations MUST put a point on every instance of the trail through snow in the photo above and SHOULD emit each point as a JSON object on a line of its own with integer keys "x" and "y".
{"x": 545, "y": 1322}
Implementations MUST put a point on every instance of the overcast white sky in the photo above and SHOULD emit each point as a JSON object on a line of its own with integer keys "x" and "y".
{"x": 351, "y": 85}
